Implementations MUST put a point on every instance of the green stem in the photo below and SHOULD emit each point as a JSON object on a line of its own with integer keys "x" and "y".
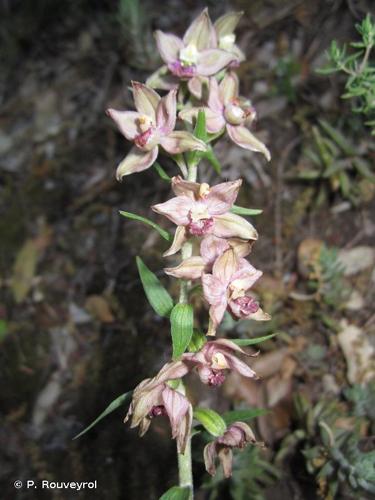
{"x": 185, "y": 470}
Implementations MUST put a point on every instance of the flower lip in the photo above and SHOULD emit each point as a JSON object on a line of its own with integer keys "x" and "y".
{"x": 199, "y": 226}
{"x": 182, "y": 70}
{"x": 144, "y": 138}
{"x": 234, "y": 114}
{"x": 216, "y": 378}
{"x": 247, "y": 305}
{"x": 158, "y": 411}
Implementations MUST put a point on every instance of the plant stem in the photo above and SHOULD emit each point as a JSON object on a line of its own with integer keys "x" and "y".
{"x": 185, "y": 470}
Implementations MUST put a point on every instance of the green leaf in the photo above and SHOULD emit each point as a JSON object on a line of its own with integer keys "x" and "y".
{"x": 200, "y": 126}
{"x": 258, "y": 340}
{"x": 176, "y": 493}
{"x": 155, "y": 226}
{"x": 116, "y": 403}
{"x": 200, "y": 132}
{"x": 338, "y": 137}
{"x": 182, "y": 321}
{"x": 211, "y": 421}
{"x": 162, "y": 173}
{"x": 363, "y": 168}
{"x": 157, "y": 295}
{"x": 245, "y": 211}
{"x": 197, "y": 341}
{"x": 242, "y": 415}
{"x": 211, "y": 157}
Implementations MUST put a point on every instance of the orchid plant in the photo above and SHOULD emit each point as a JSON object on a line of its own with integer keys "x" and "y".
{"x": 212, "y": 238}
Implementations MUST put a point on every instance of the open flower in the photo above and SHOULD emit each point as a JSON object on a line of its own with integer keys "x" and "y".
{"x": 215, "y": 358}
{"x": 193, "y": 57}
{"x": 238, "y": 435}
{"x": 226, "y": 109}
{"x": 210, "y": 249}
{"x": 226, "y": 289}
{"x": 150, "y": 126}
{"x": 224, "y": 27}
{"x": 199, "y": 210}
{"x": 153, "y": 397}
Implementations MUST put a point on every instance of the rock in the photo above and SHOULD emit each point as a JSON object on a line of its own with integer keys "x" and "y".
{"x": 358, "y": 352}
{"x": 356, "y": 259}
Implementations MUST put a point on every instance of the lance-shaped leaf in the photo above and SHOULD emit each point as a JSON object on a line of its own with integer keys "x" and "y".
{"x": 211, "y": 421}
{"x": 163, "y": 233}
{"x": 176, "y": 493}
{"x": 257, "y": 340}
{"x": 157, "y": 295}
{"x": 182, "y": 321}
{"x": 161, "y": 172}
{"x": 197, "y": 341}
{"x": 242, "y": 415}
{"x": 116, "y": 403}
{"x": 200, "y": 133}
{"x": 245, "y": 211}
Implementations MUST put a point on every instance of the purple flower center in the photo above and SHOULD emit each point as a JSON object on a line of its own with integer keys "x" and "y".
{"x": 216, "y": 378}
{"x": 200, "y": 227}
{"x": 157, "y": 411}
{"x": 142, "y": 139}
{"x": 247, "y": 305}
{"x": 182, "y": 70}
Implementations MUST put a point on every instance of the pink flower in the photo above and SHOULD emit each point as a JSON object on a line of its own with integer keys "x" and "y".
{"x": 154, "y": 397}
{"x": 238, "y": 435}
{"x": 210, "y": 249}
{"x": 150, "y": 126}
{"x": 215, "y": 358}
{"x": 199, "y": 210}
{"x": 226, "y": 289}
{"x": 193, "y": 57}
{"x": 227, "y": 110}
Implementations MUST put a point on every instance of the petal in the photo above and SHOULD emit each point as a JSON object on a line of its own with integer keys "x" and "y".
{"x": 212, "y": 61}
{"x": 180, "y": 141}
{"x": 234, "y": 226}
{"x": 221, "y": 197}
{"x": 184, "y": 431}
{"x": 189, "y": 269}
{"x": 176, "y": 406}
{"x": 201, "y": 32}
{"x": 143, "y": 403}
{"x": 260, "y": 315}
{"x": 127, "y": 122}
{"x": 229, "y": 86}
{"x": 214, "y": 99}
{"x": 244, "y": 138}
{"x": 212, "y": 247}
{"x": 166, "y": 112}
{"x": 241, "y": 247}
{"x": 146, "y": 99}
{"x": 176, "y": 209}
{"x": 180, "y": 187}
{"x": 225, "y": 266}
{"x": 197, "y": 86}
{"x": 240, "y": 55}
{"x": 226, "y": 457}
{"x": 209, "y": 454}
{"x": 214, "y": 290}
{"x": 240, "y": 367}
{"x": 246, "y": 275}
{"x": 178, "y": 240}
{"x": 227, "y": 23}
{"x": 136, "y": 161}
{"x": 170, "y": 371}
{"x": 249, "y": 434}
{"x": 162, "y": 79}
{"x": 169, "y": 46}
